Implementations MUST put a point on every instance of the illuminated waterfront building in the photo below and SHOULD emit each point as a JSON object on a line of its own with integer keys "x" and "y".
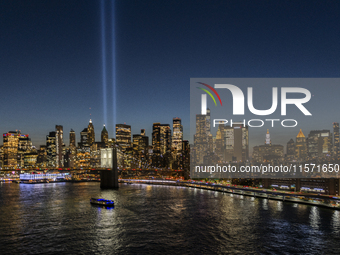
{"x": 51, "y": 149}
{"x": 10, "y": 149}
{"x": 24, "y": 146}
{"x": 336, "y": 138}
{"x": 59, "y": 146}
{"x": 177, "y": 136}
{"x": 90, "y": 133}
{"x": 42, "y": 156}
{"x": 104, "y": 137}
{"x": 301, "y": 146}
{"x": 123, "y": 136}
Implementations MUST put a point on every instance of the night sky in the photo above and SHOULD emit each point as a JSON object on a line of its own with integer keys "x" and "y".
{"x": 51, "y": 57}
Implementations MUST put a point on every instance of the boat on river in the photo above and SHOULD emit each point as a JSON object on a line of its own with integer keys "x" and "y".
{"x": 102, "y": 202}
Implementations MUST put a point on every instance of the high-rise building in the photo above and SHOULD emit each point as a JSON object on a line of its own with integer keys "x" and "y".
{"x": 83, "y": 139}
{"x": 290, "y": 150}
{"x": 203, "y": 141}
{"x": 123, "y": 136}
{"x": 140, "y": 148}
{"x": 319, "y": 143}
{"x": 336, "y": 138}
{"x": 10, "y": 149}
{"x": 142, "y": 131}
{"x": 51, "y": 150}
{"x": 59, "y": 146}
{"x": 237, "y": 143}
{"x": 268, "y": 141}
{"x": 90, "y": 133}
{"x": 301, "y": 146}
{"x": 268, "y": 152}
{"x": 165, "y": 138}
{"x": 24, "y": 146}
{"x": 177, "y": 136}
{"x": 220, "y": 142}
{"x": 104, "y": 137}
{"x": 72, "y": 138}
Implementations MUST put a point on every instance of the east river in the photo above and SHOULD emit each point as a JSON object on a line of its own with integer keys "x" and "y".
{"x": 57, "y": 218}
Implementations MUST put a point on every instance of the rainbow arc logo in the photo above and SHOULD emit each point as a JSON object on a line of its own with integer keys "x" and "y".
{"x": 204, "y": 97}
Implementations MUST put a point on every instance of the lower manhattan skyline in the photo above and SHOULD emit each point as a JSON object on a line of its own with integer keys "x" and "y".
{"x": 57, "y": 65}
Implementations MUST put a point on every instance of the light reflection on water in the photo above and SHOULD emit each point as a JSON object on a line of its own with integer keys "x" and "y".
{"x": 53, "y": 218}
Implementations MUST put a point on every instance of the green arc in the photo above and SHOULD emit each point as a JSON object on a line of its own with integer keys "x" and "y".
{"x": 208, "y": 94}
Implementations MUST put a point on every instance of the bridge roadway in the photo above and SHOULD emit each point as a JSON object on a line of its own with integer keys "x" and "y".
{"x": 64, "y": 169}
{"x": 295, "y": 197}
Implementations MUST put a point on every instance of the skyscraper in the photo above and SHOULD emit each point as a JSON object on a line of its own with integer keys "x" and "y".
{"x": 104, "y": 137}
{"x": 301, "y": 146}
{"x": 90, "y": 133}
{"x": 59, "y": 146}
{"x": 177, "y": 136}
{"x": 237, "y": 144}
{"x": 10, "y": 149}
{"x": 161, "y": 138}
{"x": 123, "y": 136}
{"x": 83, "y": 138}
{"x": 72, "y": 138}
{"x": 51, "y": 149}
{"x": 319, "y": 143}
{"x": 336, "y": 138}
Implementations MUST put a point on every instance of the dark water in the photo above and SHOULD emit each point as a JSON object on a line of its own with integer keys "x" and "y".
{"x": 58, "y": 219}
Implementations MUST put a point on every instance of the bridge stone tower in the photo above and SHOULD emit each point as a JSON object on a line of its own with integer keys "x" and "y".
{"x": 109, "y": 178}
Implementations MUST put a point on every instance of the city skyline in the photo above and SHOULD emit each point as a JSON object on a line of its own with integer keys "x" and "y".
{"x": 55, "y": 66}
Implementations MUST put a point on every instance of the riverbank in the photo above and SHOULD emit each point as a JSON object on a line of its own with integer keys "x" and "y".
{"x": 307, "y": 199}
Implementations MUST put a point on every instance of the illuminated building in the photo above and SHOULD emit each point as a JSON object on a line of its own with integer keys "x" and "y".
{"x": 83, "y": 138}
{"x": 236, "y": 142}
{"x": 319, "y": 143}
{"x": 268, "y": 152}
{"x": 300, "y": 146}
{"x": 30, "y": 159}
{"x": 42, "y": 156}
{"x": 51, "y": 149}
{"x": 90, "y": 133}
{"x": 336, "y": 138}
{"x": 123, "y": 136}
{"x": 104, "y": 137}
{"x": 10, "y": 149}
{"x": 140, "y": 148}
{"x": 59, "y": 146}
{"x": 142, "y": 131}
{"x": 177, "y": 136}
{"x": 290, "y": 150}
{"x": 83, "y": 157}
{"x": 219, "y": 142}
{"x": 203, "y": 142}
{"x": 161, "y": 138}
{"x": 72, "y": 138}
{"x": 24, "y": 146}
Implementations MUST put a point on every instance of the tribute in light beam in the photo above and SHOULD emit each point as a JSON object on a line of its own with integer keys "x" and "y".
{"x": 102, "y": 15}
{"x": 114, "y": 112}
